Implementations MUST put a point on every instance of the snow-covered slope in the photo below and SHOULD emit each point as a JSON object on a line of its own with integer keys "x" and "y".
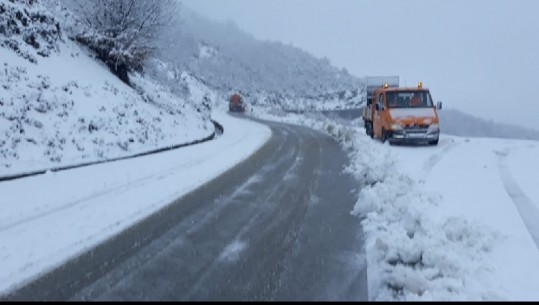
{"x": 452, "y": 222}
{"x": 229, "y": 59}
{"x": 59, "y": 106}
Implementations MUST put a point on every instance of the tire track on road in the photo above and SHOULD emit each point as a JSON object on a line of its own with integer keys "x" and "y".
{"x": 434, "y": 159}
{"x": 527, "y": 209}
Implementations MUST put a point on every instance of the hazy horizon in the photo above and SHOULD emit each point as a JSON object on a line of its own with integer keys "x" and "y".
{"x": 471, "y": 54}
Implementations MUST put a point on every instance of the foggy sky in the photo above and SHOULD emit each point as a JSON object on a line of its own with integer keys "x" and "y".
{"x": 478, "y": 56}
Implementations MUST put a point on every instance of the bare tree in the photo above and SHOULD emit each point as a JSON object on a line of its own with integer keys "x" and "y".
{"x": 123, "y": 33}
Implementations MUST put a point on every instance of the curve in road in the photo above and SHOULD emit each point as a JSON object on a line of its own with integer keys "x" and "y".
{"x": 276, "y": 227}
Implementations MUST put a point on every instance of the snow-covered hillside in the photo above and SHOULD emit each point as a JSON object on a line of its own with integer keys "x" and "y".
{"x": 457, "y": 123}
{"x": 228, "y": 59}
{"x": 452, "y": 222}
{"x": 60, "y": 106}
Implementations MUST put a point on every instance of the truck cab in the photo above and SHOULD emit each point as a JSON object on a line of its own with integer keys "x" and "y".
{"x": 402, "y": 115}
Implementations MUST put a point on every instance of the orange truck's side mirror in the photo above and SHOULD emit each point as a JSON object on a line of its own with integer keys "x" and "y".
{"x": 439, "y": 106}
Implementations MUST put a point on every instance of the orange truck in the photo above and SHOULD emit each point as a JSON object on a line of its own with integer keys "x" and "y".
{"x": 400, "y": 114}
{"x": 236, "y": 103}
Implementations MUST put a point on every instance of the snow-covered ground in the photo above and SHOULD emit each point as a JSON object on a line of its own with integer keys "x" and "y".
{"x": 459, "y": 221}
{"x": 48, "y": 219}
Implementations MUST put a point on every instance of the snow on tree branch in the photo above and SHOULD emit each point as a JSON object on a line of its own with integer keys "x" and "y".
{"x": 123, "y": 33}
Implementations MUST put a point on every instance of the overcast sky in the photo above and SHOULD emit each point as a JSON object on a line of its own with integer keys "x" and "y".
{"x": 478, "y": 56}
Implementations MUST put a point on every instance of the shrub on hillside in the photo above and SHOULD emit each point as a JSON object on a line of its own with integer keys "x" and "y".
{"x": 27, "y": 29}
{"x": 123, "y": 32}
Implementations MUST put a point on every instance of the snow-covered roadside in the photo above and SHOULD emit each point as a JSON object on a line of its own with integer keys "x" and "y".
{"x": 440, "y": 223}
{"x": 48, "y": 219}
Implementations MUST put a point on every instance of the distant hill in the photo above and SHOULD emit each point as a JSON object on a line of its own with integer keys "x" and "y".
{"x": 229, "y": 59}
{"x": 455, "y": 122}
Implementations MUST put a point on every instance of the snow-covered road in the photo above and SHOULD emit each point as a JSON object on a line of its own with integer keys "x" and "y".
{"x": 48, "y": 219}
{"x": 276, "y": 227}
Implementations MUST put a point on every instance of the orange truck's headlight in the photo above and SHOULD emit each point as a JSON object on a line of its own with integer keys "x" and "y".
{"x": 434, "y": 128}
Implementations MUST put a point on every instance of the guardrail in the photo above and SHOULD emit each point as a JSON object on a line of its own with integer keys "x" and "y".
{"x": 219, "y": 130}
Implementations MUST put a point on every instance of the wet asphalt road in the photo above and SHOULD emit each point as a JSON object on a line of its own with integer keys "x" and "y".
{"x": 276, "y": 227}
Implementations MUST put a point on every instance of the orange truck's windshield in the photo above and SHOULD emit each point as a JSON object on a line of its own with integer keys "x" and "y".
{"x": 409, "y": 99}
